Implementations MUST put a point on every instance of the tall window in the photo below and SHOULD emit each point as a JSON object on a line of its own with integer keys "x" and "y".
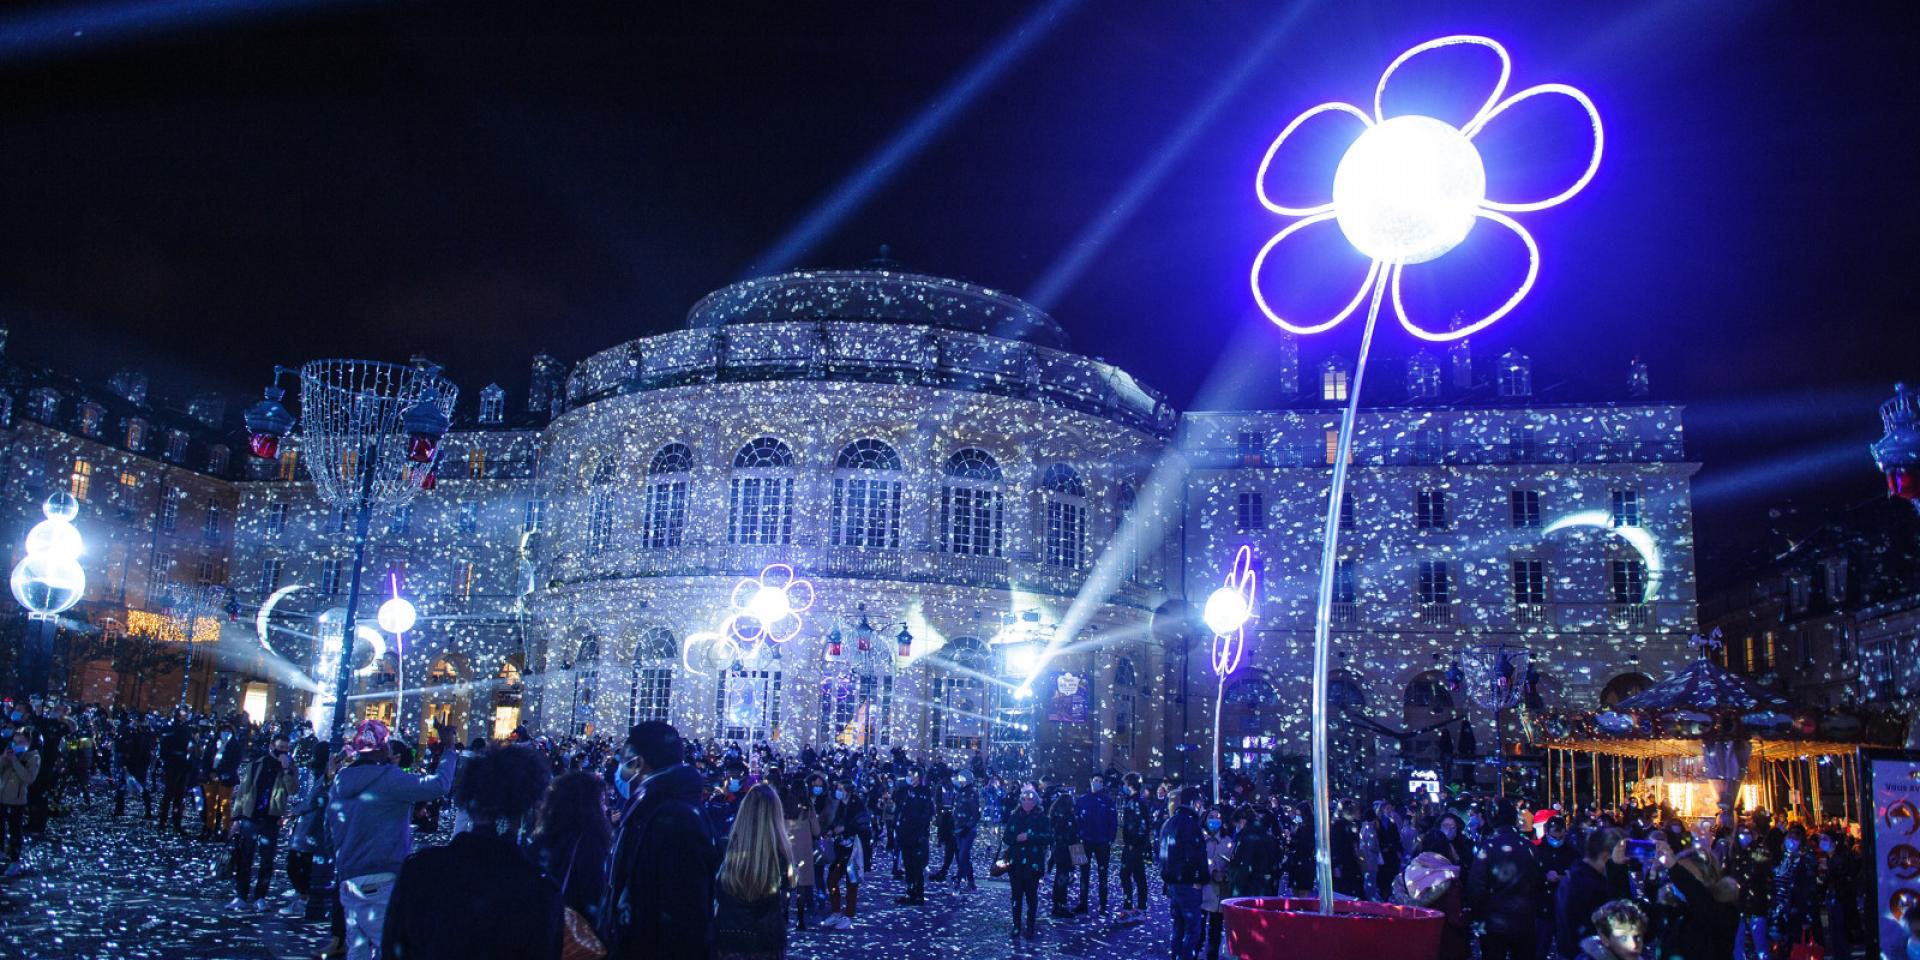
{"x": 1251, "y": 446}
{"x": 536, "y": 513}
{"x": 269, "y": 575}
{"x": 1333, "y": 381}
{"x": 211, "y": 529}
{"x": 600, "y": 506}
{"x": 276, "y": 518}
{"x": 330, "y": 576}
{"x": 493, "y": 403}
{"x": 289, "y": 460}
{"x": 1524, "y": 506}
{"x": 747, "y": 702}
{"x": 1436, "y": 582}
{"x": 586, "y": 684}
{"x": 970, "y": 504}
{"x": 460, "y": 580}
{"x": 866, "y": 496}
{"x": 1066, "y": 499}
{"x": 176, "y": 445}
{"x": 1251, "y": 511}
{"x": 1529, "y": 582}
{"x": 1520, "y": 444}
{"x": 1346, "y": 582}
{"x": 666, "y": 506}
{"x": 856, "y": 710}
{"x": 469, "y": 517}
{"x": 80, "y": 482}
{"x": 1124, "y": 500}
{"x": 170, "y": 509}
{"x": 760, "y": 501}
{"x": 337, "y": 520}
{"x": 1430, "y": 443}
{"x": 401, "y": 522}
{"x": 1423, "y": 376}
{"x": 1516, "y": 374}
{"x": 1430, "y": 510}
{"x": 1333, "y": 446}
{"x": 476, "y": 462}
{"x": 1626, "y": 508}
{"x": 136, "y": 434}
{"x": 1347, "y": 521}
{"x": 650, "y": 696}
{"x": 217, "y": 459}
{"x": 1629, "y": 580}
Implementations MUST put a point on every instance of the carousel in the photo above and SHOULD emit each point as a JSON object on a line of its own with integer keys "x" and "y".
{"x": 1707, "y": 742}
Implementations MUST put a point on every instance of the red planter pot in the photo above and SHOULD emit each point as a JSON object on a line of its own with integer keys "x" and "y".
{"x": 1287, "y": 928}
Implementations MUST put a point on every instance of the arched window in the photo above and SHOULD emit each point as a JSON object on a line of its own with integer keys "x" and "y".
{"x": 961, "y": 704}
{"x": 1129, "y": 541}
{"x": 970, "y": 504}
{"x": 760, "y": 495}
{"x": 651, "y": 695}
{"x": 866, "y": 496}
{"x": 586, "y": 683}
{"x": 600, "y": 506}
{"x": 747, "y": 701}
{"x": 666, "y": 513}
{"x": 1066, "y": 501}
{"x": 1124, "y": 674}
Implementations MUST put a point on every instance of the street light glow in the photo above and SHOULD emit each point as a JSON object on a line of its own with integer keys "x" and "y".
{"x": 1408, "y": 190}
{"x": 1226, "y": 611}
{"x": 397, "y": 615}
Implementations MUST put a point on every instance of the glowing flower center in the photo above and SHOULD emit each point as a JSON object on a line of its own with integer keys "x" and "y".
{"x": 1226, "y": 611}
{"x": 1408, "y": 189}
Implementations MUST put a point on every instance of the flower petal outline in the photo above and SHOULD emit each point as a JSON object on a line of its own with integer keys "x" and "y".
{"x": 1526, "y": 285}
{"x": 1586, "y": 176}
{"x": 1260, "y": 175}
{"x": 1260, "y": 259}
{"x": 1499, "y": 86}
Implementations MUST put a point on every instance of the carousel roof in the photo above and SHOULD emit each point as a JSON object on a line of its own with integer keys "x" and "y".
{"x": 1704, "y": 687}
{"x": 1764, "y": 748}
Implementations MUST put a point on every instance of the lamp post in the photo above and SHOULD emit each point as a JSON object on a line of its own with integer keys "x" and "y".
{"x": 189, "y": 603}
{"x": 1897, "y": 452}
{"x": 48, "y": 582}
{"x": 1497, "y": 676}
{"x": 370, "y": 436}
{"x": 1227, "y": 611}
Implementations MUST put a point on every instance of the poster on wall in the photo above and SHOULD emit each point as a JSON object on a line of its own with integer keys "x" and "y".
{"x": 1892, "y": 843}
{"x": 1069, "y": 703}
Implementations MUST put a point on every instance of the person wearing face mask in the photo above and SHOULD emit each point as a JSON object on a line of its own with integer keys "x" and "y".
{"x": 914, "y": 812}
{"x": 1257, "y": 859}
{"x": 1841, "y": 869}
{"x": 803, "y": 835}
{"x": 1750, "y": 863}
{"x": 966, "y": 825}
{"x": 1447, "y": 839}
{"x": 843, "y": 830}
{"x": 1136, "y": 846}
{"x": 266, "y": 783}
{"x": 659, "y": 902}
{"x": 1502, "y": 888}
{"x": 723, "y": 800}
{"x": 19, "y": 768}
{"x": 1218, "y": 887}
{"x": 221, "y": 771}
{"x": 1183, "y": 869}
{"x": 1028, "y": 834}
{"x": 1794, "y": 889}
{"x": 1582, "y": 891}
{"x": 1554, "y": 855}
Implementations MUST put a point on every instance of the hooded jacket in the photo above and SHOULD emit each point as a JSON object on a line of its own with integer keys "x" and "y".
{"x": 370, "y": 812}
{"x": 660, "y": 879}
{"x": 477, "y": 898}
{"x": 1503, "y": 885}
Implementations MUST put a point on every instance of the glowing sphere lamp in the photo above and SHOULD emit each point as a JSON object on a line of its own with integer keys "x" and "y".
{"x": 397, "y": 615}
{"x": 50, "y": 580}
{"x": 1408, "y": 189}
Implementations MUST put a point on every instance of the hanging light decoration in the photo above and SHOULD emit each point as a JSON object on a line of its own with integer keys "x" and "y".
{"x": 268, "y": 420}
{"x": 426, "y": 423}
{"x": 905, "y": 640}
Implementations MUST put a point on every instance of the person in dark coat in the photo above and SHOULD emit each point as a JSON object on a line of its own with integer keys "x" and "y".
{"x": 659, "y": 902}
{"x": 1028, "y": 834}
{"x": 571, "y": 837}
{"x": 1254, "y": 869}
{"x": 478, "y": 897}
{"x": 914, "y": 812}
{"x": 1448, "y": 839}
{"x": 1582, "y": 891}
{"x": 1349, "y": 874}
{"x": 1702, "y": 908}
{"x": 1184, "y": 870}
{"x": 1136, "y": 844}
{"x": 176, "y": 770}
{"x": 133, "y": 751}
{"x": 1099, "y": 825}
{"x": 1066, "y": 834}
{"x": 1503, "y": 889}
{"x": 966, "y": 828}
{"x": 1795, "y": 889}
{"x": 750, "y": 915}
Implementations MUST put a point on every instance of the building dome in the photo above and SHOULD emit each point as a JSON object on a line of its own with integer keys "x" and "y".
{"x": 877, "y": 296}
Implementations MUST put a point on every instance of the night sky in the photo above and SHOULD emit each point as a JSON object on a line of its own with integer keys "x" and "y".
{"x": 208, "y": 194}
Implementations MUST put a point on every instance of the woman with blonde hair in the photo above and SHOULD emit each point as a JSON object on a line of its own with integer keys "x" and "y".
{"x": 750, "y": 919}
{"x": 1703, "y": 908}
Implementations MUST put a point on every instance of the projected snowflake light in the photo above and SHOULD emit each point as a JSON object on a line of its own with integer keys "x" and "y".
{"x": 1410, "y": 188}
{"x": 768, "y": 607}
{"x": 1227, "y": 611}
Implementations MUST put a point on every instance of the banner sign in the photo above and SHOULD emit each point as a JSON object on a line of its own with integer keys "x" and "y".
{"x": 1070, "y": 698}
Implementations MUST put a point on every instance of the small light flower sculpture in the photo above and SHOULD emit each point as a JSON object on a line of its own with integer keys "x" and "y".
{"x": 767, "y": 608}
{"x": 1226, "y": 614}
{"x": 1408, "y": 190}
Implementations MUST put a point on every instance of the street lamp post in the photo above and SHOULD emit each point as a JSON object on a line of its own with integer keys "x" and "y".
{"x": 1897, "y": 452}
{"x": 188, "y": 604}
{"x": 48, "y": 582}
{"x": 1497, "y": 676}
{"x": 370, "y": 433}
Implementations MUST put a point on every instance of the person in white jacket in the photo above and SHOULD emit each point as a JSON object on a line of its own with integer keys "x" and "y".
{"x": 19, "y": 767}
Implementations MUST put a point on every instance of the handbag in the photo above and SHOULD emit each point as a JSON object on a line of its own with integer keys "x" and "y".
{"x": 1001, "y": 866}
{"x": 1807, "y": 949}
{"x": 577, "y": 940}
{"x": 1078, "y": 853}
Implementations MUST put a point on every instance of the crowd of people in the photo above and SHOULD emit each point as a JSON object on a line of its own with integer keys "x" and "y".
{"x": 659, "y": 847}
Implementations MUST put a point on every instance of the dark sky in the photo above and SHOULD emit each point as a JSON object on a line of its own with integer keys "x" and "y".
{"x": 208, "y": 194}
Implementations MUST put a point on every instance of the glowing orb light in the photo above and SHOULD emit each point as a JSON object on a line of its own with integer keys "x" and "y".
{"x": 1227, "y": 611}
{"x": 50, "y": 580}
{"x": 397, "y": 615}
{"x": 768, "y": 607}
{"x": 1410, "y": 188}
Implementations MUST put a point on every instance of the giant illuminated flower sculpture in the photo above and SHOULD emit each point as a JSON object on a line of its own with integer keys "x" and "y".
{"x": 1227, "y": 611}
{"x": 1410, "y": 188}
{"x": 767, "y": 607}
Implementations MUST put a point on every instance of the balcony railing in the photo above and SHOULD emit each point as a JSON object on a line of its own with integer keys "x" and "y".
{"x": 1573, "y": 617}
{"x": 1369, "y": 453}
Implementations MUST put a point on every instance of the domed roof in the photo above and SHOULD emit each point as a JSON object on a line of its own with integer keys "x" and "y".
{"x": 877, "y": 296}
